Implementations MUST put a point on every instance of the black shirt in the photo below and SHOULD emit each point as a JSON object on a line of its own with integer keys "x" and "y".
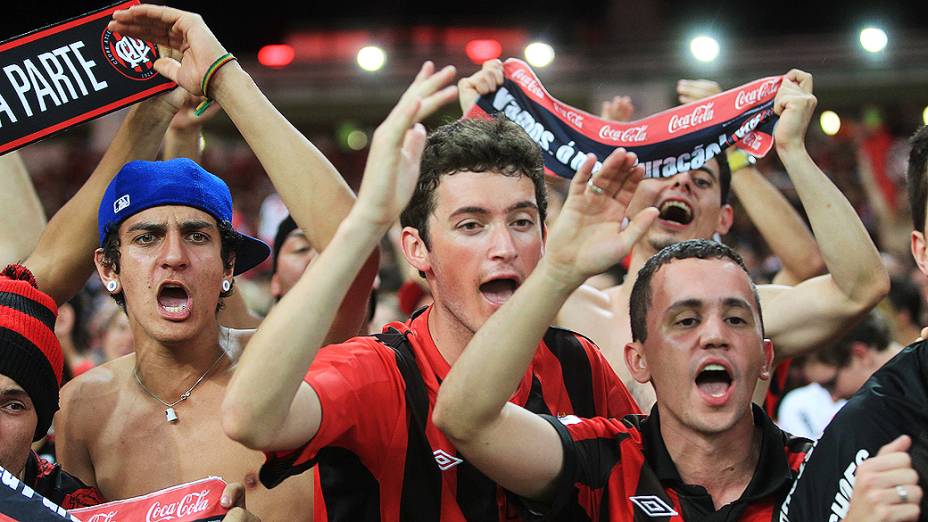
{"x": 892, "y": 403}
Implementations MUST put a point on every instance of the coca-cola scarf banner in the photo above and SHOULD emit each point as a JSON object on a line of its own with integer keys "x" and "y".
{"x": 672, "y": 141}
{"x": 19, "y": 502}
{"x": 65, "y": 74}
{"x": 192, "y": 502}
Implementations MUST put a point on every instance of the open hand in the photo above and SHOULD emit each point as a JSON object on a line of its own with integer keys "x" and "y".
{"x": 588, "y": 237}
{"x": 396, "y": 149}
{"x": 692, "y": 90}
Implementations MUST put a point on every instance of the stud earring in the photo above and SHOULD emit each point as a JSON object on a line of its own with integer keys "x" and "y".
{"x": 111, "y": 286}
{"x": 226, "y": 285}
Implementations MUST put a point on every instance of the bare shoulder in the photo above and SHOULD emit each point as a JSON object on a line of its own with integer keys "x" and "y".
{"x": 98, "y": 383}
{"x": 584, "y": 301}
{"x": 590, "y": 297}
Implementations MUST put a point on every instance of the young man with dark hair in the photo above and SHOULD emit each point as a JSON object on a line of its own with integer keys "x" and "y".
{"x": 475, "y": 229}
{"x": 893, "y": 402}
{"x": 694, "y": 205}
{"x": 164, "y": 245}
{"x": 704, "y": 453}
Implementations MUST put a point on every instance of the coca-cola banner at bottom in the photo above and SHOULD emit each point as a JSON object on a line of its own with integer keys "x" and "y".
{"x": 19, "y": 502}
{"x": 71, "y": 72}
{"x": 192, "y": 502}
{"x": 672, "y": 141}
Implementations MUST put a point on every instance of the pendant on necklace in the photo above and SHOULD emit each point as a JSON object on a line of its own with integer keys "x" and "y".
{"x": 171, "y": 414}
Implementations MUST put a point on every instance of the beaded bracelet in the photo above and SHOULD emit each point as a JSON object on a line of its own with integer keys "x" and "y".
{"x": 204, "y": 84}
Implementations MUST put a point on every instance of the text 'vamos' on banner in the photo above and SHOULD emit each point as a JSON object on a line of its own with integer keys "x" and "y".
{"x": 676, "y": 140}
{"x": 71, "y": 72}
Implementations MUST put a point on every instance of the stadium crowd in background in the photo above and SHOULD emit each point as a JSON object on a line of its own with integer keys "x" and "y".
{"x": 252, "y": 333}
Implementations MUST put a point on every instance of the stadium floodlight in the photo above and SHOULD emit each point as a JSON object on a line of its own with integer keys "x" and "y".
{"x": 830, "y": 122}
{"x": 539, "y": 54}
{"x": 873, "y": 39}
{"x": 371, "y": 58}
{"x": 704, "y": 48}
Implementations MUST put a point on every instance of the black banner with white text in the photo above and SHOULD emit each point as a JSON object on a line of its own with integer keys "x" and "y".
{"x": 71, "y": 72}
{"x": 672, "y": 141}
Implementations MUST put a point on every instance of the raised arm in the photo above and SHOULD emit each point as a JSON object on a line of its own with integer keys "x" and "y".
{"x": 23, "y": 216}
{"x": 815, "y": 312}
{"x": 314, "y": 192}
{"x": 772, "y": 214}
{"x": 780, "y": 225}
{"x": 63, "y": 259}
{"x": 484, "y": 81}
{"x": 267, "y": 405}
{"x": 512, "y": 446}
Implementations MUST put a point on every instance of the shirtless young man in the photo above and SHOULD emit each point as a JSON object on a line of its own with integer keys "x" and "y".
{"x": 172, "y": 266}
{"x": 693, "y": 206}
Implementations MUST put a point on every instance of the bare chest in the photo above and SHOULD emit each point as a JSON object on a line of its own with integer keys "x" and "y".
{"x": 136, "y": 451}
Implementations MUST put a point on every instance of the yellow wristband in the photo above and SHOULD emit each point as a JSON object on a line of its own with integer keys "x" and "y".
{"x": 738, "y": 159}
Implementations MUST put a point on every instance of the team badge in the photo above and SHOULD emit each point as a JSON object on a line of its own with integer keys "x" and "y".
{"x": 133, "y": 58}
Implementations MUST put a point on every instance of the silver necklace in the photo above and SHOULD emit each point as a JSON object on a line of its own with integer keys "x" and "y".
{"x": 169, "y": 412}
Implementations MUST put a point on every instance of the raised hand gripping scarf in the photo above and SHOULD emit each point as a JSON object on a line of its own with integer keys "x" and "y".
{"x": 672, "y": 141}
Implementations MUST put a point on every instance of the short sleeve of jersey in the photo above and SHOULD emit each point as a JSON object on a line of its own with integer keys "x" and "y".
{"x": 592, "y": 453}
{"x": 362, "y": 399}
{"x": 593, "y": 387}
{"x": 893, "y": 402}
{"x": 619, "y": 401}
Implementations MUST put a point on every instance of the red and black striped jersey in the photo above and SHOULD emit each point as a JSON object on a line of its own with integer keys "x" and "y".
{"x": 380, "y": 457}
{"x": 620, "y": 470}
{"x": 777, "y": 388}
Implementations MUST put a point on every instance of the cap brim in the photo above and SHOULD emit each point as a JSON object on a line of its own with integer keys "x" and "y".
{"x": 251, "y": 252}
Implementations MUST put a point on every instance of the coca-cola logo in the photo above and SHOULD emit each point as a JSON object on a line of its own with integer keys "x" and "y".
{"x": 570, "y": 115}
{"x": 190, "y": 504}
{"x": 752, "y": 96}
{"x": 700, "y": 114}
{"x": 528, "y": 81}
{"x": 133, "y": 58}
{"x": 631, "y": 134}
{"x": 103, "y": 517}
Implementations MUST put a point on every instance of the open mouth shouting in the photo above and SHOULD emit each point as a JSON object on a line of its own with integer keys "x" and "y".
{"x": 676, "y": 211}
{"x": 499, "y": 289}
{"x": 174, "y": 301}
{"x": 714, "y": 383}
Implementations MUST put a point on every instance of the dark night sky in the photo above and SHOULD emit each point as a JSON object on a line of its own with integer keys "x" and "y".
{"x": 246, "y": 31}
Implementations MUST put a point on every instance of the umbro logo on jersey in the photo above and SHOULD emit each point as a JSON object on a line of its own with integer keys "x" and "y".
{"x": 445, "y": 461}
{"x": 653, "y": 506}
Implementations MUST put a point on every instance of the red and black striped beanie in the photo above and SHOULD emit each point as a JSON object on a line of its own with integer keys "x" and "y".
{"x": 31, "y": 354}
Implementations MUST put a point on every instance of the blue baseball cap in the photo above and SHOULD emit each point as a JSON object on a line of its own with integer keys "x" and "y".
{"x": 141, "y": 185}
